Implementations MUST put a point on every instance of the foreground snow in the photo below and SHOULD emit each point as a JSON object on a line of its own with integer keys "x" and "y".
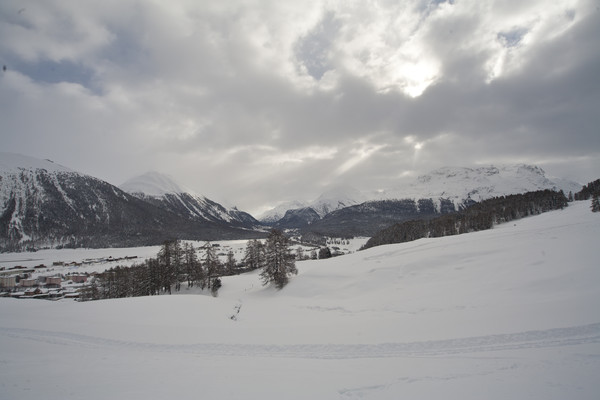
{"x": 506, "y": 313}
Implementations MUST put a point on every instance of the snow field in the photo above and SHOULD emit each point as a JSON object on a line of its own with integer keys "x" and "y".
{"x": 506, "y": 313}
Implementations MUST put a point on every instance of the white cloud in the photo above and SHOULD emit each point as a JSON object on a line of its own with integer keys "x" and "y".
{"x": 275, "y": 99}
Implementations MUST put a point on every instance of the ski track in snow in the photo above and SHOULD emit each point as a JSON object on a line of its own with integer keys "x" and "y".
{"x": 536, "y": 339}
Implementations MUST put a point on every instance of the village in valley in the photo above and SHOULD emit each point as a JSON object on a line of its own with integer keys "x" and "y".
{"x": 50, "y": 282}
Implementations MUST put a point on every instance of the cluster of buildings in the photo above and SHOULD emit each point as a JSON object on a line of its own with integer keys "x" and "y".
{"x": 52, "y": 283}
{"x": 20, "y": 282}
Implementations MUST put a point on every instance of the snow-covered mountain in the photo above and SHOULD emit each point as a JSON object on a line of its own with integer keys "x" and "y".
{"x": 333, "y": 199}
{"x": 336, "y": 198}
{"x": 163, "y": 191}
{"x": 481, "y": 183}
{"x": 275, "y": 214}
{"x": 45, "y": 204}
{"x": 44, "y": 201}
{"x": 456, "y": 185}
{"x": 296, "y": 218}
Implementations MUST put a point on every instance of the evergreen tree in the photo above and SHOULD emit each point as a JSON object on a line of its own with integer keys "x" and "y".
{"x": 595, "y": 203}
{"x": 300, "y": 253}
{"x": 324, "y": 252}
{"x": 254, "y": 257}
{"x": 212, "y": 265}
{"x": 230, "y": 266}
{"x": 279, "y": 262}
{"x": 215, "y": 285}
{"x": 193, "y": 268}
{"x": 169, "y": 259}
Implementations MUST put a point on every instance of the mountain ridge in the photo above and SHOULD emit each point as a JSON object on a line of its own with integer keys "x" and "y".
{"x": 459, "y": 185}
{"x": 163, "y": 191}
{"x": 43, "y": 204}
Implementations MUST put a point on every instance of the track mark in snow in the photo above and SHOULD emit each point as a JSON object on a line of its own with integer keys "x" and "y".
{"x": 359, "y": 393}
{"x": 557, "y": 337}
{"x": 367, "y": 391}
{"x": 237, "y": 308}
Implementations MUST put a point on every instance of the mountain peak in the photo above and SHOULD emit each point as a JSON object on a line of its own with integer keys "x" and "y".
{"x": 154, "y": 184}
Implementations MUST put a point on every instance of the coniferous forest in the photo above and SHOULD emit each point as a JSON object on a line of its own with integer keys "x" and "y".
{"x": 479, "y": 216}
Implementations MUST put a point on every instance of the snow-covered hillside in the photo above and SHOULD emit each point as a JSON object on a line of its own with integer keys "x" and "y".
{"x": 40, "y": 199}
{"x": 13, "y": 163}
{"x": 507, "y": 313}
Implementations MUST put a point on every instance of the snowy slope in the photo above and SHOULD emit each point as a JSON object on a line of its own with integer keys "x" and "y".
{"x": 506, "y": 313}
{"x": 39, "y": 199}
{"x": 13, "y": 163}
{"x": 163, "y": 191}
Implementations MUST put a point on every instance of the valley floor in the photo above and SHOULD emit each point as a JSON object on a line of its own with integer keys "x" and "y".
{"x": 506, "y": 313}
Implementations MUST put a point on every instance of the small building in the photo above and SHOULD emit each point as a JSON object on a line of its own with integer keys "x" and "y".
{"x": 53, "y": 281}
{"x": 78, "y": 278}
{"x": 73, "y": 264}
{"x": 32, "y": 292}
{"x": 29, "y": 282}
{"x": 36, "y": 293}
{"x": 8, "y": 281}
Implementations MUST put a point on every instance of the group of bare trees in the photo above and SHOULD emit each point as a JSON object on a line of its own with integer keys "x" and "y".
{"x": 178, "y": 263}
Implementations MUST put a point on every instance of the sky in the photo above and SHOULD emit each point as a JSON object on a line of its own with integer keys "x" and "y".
{"x": 252, "y": 103}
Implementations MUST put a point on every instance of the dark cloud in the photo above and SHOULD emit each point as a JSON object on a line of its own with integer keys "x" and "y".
{"x": 258, "y": 102}
{"x": 313, "y": 50}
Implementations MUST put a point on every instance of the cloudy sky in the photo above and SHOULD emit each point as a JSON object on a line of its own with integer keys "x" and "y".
{"x": 256, "y": 102}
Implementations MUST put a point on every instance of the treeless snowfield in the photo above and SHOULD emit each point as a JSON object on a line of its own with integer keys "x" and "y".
{"x": 509, "y": 313}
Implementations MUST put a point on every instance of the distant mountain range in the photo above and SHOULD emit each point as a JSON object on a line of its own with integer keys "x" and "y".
{"x": 44, "y": 204}
{"x": 347, "y": 211}
{"x": 331, "y": 200}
